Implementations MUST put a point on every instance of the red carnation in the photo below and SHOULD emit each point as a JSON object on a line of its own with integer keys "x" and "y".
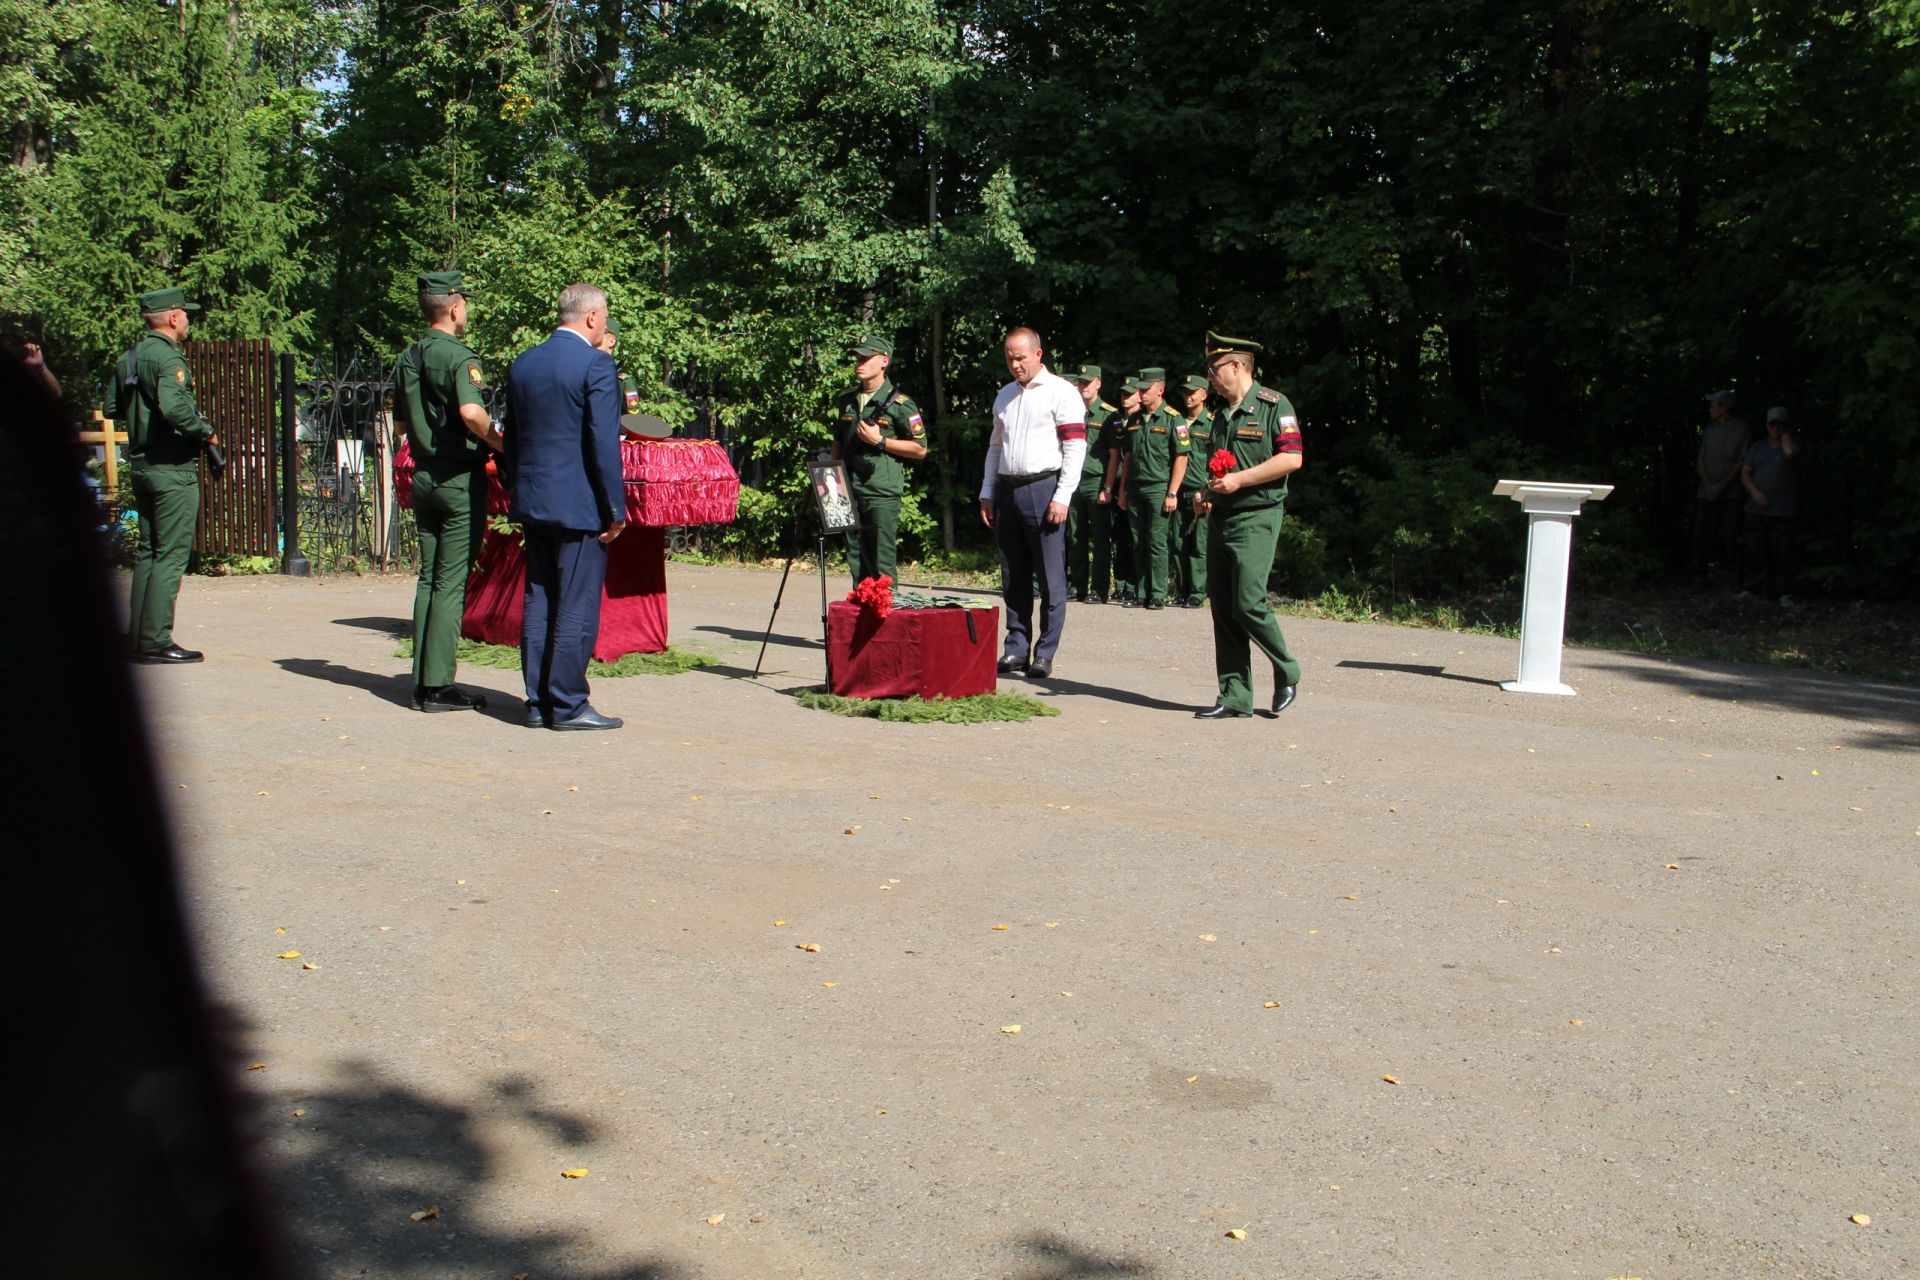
{"x": 1220, "y": 463}
{"x": 875, "y": 594}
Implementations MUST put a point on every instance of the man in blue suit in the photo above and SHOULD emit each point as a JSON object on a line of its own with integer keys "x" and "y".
{"x": 563, "y": 453}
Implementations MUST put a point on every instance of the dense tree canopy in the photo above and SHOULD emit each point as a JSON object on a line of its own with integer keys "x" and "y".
{"x": 1477, "y": 236}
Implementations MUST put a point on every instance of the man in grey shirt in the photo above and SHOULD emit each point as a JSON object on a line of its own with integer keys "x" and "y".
{"x": 1770, "y": 480}
{"x": 1718, "y": 502}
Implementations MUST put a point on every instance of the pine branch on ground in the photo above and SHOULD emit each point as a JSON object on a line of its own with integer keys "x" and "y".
{"x": 978, "y": 709}
{"x": 507, "y": 658}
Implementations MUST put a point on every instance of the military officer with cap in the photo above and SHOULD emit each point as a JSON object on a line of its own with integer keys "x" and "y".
{"x": 439, "y": 391}
{"x": 1119, "y": 434}
{"x": 152, "y": 396}
{"x": 1258, "y": 426}
{"x": 629, "y": 385}
{"x": 878, "y": 431}
{"x": 1156, "y": 463}
{"x": 1089, "y": 541}
{"x": 1190, "y": 521}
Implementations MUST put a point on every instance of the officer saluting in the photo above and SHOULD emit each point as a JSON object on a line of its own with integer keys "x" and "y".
{"x": 1257, "y": 425}
{"x": 152, "y": 395}
{"x": 438, "y": 387}
{"x": 878, "y": 430}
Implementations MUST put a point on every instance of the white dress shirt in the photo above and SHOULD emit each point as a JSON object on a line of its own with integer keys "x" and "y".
{"x": 1041, "y": 426}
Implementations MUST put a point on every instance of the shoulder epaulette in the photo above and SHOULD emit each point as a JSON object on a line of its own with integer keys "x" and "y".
{"x": 1109, "y": 408}
{"x": 1270, "y": 395}
{"x": 901, "y": 398}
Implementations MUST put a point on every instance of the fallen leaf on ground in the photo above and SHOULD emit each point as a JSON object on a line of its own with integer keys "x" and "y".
{"x": 463, "y": 881}
{"x": 1001, "y": 928}
{"x": 1391, "y": 1079}
{"x": 1673, "y": 866}
{"x": 1575, "y": 1022}
{"x": 1861, "y": 1220}
{"x": 780, "y": 923}
{"x": 256, "y": 1066}
{"x": 806, "y": 946}
{"x": 259, "y": 793}
{"x": 1011, "y": 1029}
{"x": 575, "y": 789}
{"x": 421, "y": 1215}
{"x": 573, "y": 1173}
{"x": 289, "y": 955}
{"x": 852, "y": 829}
{"x": 716, "y": 1219}
{"x": 385, "y": 928}
{"x": 309, "y": 965}
{"x": 1207, "y": 937}
{"x": 1236, "y": 1234}
{"x": 281, "y": 929}
{"x": 545, "y": 813}
{"x": 1349, "y": 897}
{"x": 829, "y": 984}
{"x": 1271, "y": 1004}
{"x": 1193, "y": 1079}
{"x": 698, "y": 797}
{"x": 297, "y": 1114}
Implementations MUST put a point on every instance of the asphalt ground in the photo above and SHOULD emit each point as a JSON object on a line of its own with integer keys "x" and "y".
{"x": 1420, "y": 979}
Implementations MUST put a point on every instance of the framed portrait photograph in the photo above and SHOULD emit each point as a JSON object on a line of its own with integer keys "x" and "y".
{"x": 833, "y": 497}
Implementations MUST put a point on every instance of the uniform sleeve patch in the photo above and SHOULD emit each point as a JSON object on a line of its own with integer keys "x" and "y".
{"x": 633, "y": 402}
{"x": 1289, "y": 423}
{"x": 1181, "y": 431}
{"x": 474, "y": 375}
{"x": 180, "y": 375}
{"x": 1269, "y": 395}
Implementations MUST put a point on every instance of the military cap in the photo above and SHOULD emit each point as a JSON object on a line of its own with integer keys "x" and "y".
{"x": 1133, "y": 384}
{"x": 871, "y": 344}
{"x": 1195, "y": 382}
{"x": 1147, "y": 377}
{"x": 1779, "y": 414}
{"x": 613, "y": 326}
{"x": 444, "y": 282}
{"x": 166, "y": 300}
{"x": 1220, "y": 345}
{"x": 1086, "y": 373}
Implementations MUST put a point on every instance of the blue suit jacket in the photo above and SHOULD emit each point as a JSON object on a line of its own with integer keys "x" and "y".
{"x": 563, "y": 435}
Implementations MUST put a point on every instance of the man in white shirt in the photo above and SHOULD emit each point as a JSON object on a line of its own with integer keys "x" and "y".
{"x": 1033, "y": 465}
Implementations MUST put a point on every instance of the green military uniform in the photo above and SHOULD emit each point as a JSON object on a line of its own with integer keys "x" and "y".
{"x": 878, "y": 478}
{"x": 433, "y": 378}
{"x": 1155, "y": 439}
{"x": 152, "y": 397}
{"x": 1119, "y": 427}
{"x": 1189, "y": 526}
{"x": 1089, "y": 541}
{"x": 1245, "y": 529}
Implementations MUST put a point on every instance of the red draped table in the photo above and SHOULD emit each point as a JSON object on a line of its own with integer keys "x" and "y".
{"x": 669, "y": 482}
{"x": 928, "y": 653}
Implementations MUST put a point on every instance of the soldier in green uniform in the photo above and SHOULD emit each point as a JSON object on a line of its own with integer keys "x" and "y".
{"x": 1089, "y": 541}
{"x": 878, "y": 431}
{"x": 1119, "y": 440}
{"x": 152, "y": 397}
{"x": 1156, "y": 464}
{"x": 1258, "y": 426}
{"x": 437, "y": 395}
{"x": 1190, "y": 521}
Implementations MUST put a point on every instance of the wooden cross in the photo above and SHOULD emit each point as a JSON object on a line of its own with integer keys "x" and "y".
{"x": 106, "y": 435}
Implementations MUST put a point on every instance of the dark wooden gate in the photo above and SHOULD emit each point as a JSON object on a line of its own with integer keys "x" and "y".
{"x": 233, "y": 385}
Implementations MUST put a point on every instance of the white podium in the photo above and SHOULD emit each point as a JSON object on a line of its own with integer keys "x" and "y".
{"x": 1550, "y": 509}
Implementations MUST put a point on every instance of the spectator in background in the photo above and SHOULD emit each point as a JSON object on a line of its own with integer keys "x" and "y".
{"x": 29, "y": 357}
{"x": 1770, "y": 478}
{"x": 1718, "y": 502}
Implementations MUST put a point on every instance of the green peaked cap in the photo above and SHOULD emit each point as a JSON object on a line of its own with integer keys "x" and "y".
{"x": 166, "y": 300}
{"x": 444, "y": 282}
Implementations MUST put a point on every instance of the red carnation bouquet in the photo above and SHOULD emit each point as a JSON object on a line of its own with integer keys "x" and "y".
{"x": 1220, "y": 463}
{"x": 875, "y": 594}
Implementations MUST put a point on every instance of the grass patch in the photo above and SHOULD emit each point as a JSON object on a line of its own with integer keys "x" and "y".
{"x": 978, "y": 709}
{"x": 507, "y": 658}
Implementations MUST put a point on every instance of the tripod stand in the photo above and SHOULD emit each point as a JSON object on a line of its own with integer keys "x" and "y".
{"x": 820, "y": 541}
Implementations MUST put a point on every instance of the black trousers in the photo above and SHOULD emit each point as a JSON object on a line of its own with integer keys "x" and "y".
{"x": 565, "y": 571}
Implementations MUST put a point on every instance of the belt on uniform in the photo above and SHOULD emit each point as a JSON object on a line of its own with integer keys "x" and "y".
{"x": 1030, "y": 477}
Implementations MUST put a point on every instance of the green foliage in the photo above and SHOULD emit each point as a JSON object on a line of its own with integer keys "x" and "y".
{"x": 672, "y": 662}
{"x": 981, "y": 708}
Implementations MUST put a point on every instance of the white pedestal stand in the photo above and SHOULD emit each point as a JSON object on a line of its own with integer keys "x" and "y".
{"x": 1550, "y": 511}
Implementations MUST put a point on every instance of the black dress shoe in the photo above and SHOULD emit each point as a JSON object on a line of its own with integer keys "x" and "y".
{"x": 1282, "y": 697}
{"x": 536, "y": 718}
{"x": 1128, "y": 602}
{"x": 1218, "y": 713}
{"x": 1040, "y": 669}
{"x": 1072, "y": 595}
{"x": 1010, "y": 666}
{"x": 171, "y": 654}
{"x": 588, "y": 719}
{"x": 446, "y": 697}
{"x": 1096, "y": 599}
{"x": 1156, "y": 604}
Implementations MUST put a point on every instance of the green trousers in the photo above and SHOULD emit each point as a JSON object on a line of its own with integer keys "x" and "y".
{"x": 167, "y": 499}
{"x": 1089, "y": 545}
{"x": 872, "y": 548}
{"x": 1190, "y": 546}
{"x": 1239, "y": 562}
{"x": 1152, "y": 531}
{"x": 450, "y": 511}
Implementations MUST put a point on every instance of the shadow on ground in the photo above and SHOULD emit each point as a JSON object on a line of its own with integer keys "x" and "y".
{"x": 391, "y": 626}
{"x": 1891, "y": 712}
{"x": 396, "y": 689}
{"x": 755, "y": 637}
{"x": 369, "y": 1152}
{"x": 1415, "y": 669}
{"x": 1058, "y": 1259}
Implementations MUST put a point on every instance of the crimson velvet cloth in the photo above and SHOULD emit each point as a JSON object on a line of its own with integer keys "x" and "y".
{"x": 923, "y": 652}
{"x": 669, "y": 482}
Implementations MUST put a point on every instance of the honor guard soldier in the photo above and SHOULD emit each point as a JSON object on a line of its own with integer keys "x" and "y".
{"x": 152, "y": 396}
{"x": 629, "y": 385}
{"x": 1089, "y": 541}
{"x": 439, "y": 391}
{"x": 1190, "y": 521}
{"x": 1156, "y": 464}
{"x": 1257, "y": 425}
{"x": 1119, "y": 435}
{"x": 877, "y": 432}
